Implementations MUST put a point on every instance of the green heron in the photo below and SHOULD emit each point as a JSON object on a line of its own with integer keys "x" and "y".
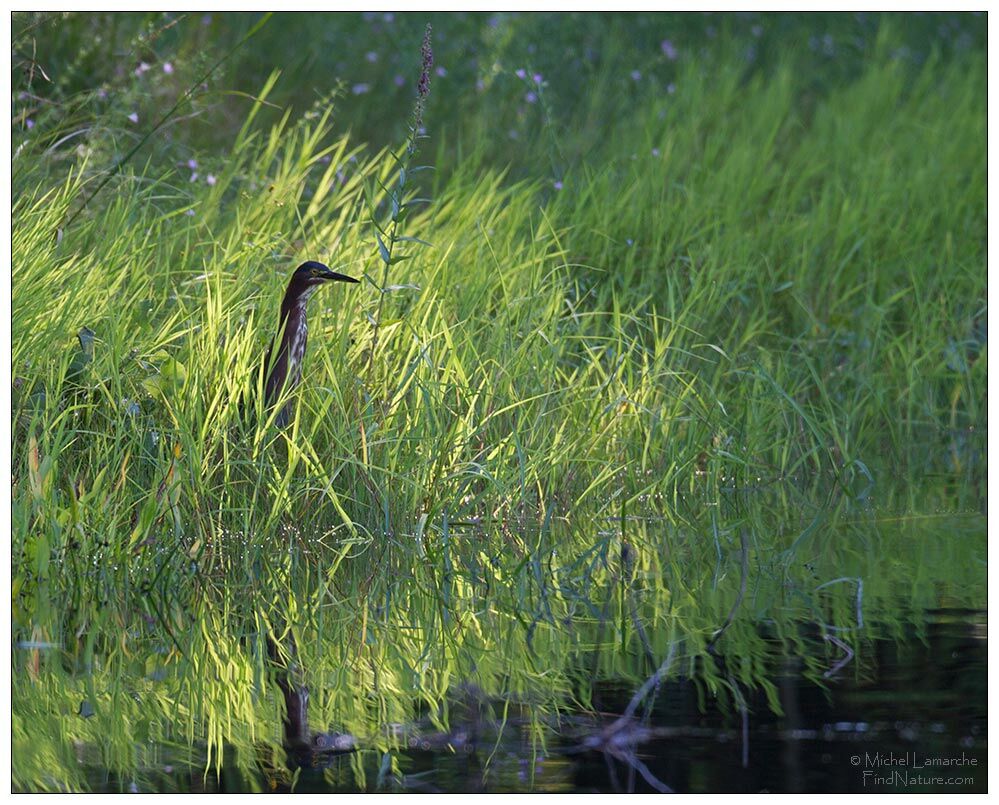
{"x": 286, "y": 369}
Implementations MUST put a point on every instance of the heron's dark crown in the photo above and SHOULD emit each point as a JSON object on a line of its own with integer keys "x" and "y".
{"x": 311, "y": 267}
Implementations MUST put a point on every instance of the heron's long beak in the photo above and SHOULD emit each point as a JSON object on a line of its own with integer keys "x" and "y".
{"x": 333, "y": 275}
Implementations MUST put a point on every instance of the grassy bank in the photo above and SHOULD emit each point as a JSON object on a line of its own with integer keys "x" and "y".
{"x": 727, "y": 299}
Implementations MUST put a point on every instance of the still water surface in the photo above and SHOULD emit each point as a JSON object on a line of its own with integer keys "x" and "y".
{"x": 855, "y": 660}
{"x": 886, "y": 728}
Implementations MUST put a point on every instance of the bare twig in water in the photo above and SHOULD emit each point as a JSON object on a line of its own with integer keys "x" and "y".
{"x": 649, "y": 683}
{"x": 828, "y": 627}
{"x": 650, "y": 778}
{"x": 612, "y": 772}
{"x": 619, "y": 739}
{"x": 859, "y": 603}
{"x": 845, "y": 660}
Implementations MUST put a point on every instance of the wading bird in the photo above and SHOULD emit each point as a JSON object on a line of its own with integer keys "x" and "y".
{"x": 293, "y": 330}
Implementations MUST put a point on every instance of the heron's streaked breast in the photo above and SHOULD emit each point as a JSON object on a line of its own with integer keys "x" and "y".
{"x": 296, "y": 350}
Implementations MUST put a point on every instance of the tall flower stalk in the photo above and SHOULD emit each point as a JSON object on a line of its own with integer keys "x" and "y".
{"x": 389, "y": 236}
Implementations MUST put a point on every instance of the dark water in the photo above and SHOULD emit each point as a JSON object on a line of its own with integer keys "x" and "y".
{"x": 904, "y": 715}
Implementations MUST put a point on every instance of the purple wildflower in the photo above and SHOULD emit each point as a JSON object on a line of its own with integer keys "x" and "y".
{"x": 537, "y": 78}
{"x": 427, "y": 55}
{"x": 671, "y": 88}
{"x": 636, "y": 75}
{"x": 192, "y": 164}
{"x": 655, "y": 152}
{"x": 557, "y": 184}
{"x": 399, "y": 80}
{"x": 371, "y": 56}
{"x": 521, "y": 73}
{"x": 422, "y": 86}
{"x": 134, "y": 117}
{"x": 210, "y": 179}
{"x": 530, "y": 97}
{"x": 167, "y": 67}
{"x": 669, "y": 50}
{"x": 194, "y": 177}
{"x": 29, "y": 123}
{"x": 360, "y": 89}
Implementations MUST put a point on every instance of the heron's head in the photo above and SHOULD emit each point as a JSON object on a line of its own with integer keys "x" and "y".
{"x": 307, "y": 278}
{"x": 312, "y": 273}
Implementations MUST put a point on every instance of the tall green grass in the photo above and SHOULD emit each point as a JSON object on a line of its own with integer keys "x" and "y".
{"x": 752, "y": 307}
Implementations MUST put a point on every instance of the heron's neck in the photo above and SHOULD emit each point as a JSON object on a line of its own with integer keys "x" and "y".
{"x": 293, "y": 304}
